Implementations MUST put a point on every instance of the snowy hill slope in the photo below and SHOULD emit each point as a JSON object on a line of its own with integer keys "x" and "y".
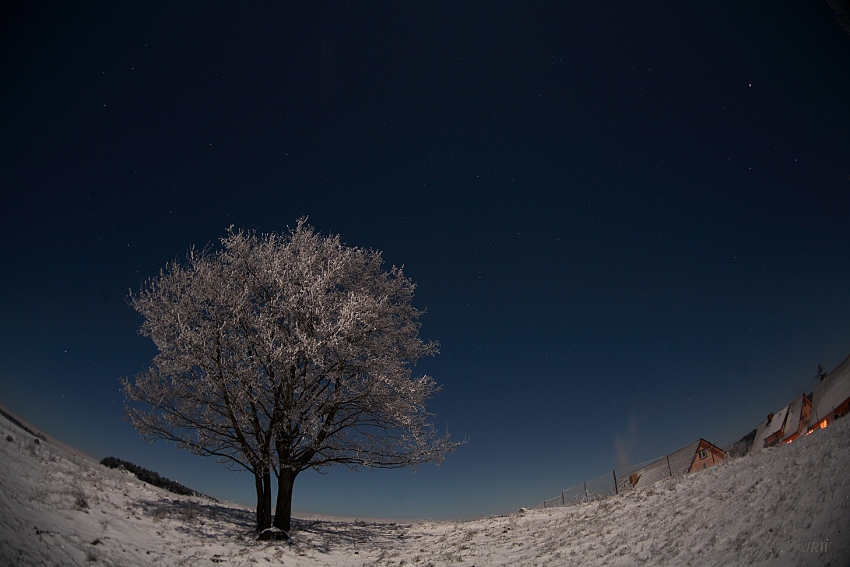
{"x": 785, "y": 506}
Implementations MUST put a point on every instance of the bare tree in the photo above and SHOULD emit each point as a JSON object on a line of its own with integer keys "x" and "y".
{"x": 282, "y": 353}
{"x": 842, "y": 11}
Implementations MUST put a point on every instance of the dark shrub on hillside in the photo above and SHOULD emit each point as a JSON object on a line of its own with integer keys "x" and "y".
{"x": 151, "y": 477}
{"x": 21, "y": 425}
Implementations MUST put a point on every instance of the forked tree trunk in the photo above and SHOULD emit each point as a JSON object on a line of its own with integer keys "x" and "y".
{"x": 283, "y": 508}
{"x": 264, "y": 500}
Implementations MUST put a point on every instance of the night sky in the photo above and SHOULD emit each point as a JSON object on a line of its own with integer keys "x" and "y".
{"x": 629, "y": 222}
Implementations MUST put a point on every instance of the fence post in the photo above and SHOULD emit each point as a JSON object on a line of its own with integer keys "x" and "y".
{"x": 616, "y": 490}
{"x": 586, "y": 499}
{"x": 669, "y": 468}
{"x": 563, "y": 498}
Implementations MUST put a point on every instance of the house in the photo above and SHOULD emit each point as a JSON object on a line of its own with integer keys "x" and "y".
{"x": 697, "y": 456}
{"x": 694, "y": 457}
{"x": 783, "y": 426}
{"x": 831, "y": 397}
{"x": 796, "y": 419}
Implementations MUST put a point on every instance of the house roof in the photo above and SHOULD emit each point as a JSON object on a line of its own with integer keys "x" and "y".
{"x": 768, "y": 427}
{"x": 677, "y": 463}
{"x": 792, "y": 420}
{"x": 832, "y": 391}
{"x": 644, "y": 475}
{"x": 680, "y": 461}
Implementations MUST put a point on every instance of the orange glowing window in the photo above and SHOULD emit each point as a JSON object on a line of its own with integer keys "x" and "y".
{"x": 819, "y": 425}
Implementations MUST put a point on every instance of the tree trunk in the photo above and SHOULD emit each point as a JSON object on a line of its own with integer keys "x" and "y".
{"x": 263, "y": 484}
{"x": 283, "y": 508}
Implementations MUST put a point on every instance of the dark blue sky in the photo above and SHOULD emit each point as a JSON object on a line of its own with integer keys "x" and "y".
{"x": 629, "y": 222}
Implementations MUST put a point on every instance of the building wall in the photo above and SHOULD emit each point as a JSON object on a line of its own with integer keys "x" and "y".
{"x": 713, "y": 456}
{"x": 799, "y": 421}
{"x": 807, "y": 410}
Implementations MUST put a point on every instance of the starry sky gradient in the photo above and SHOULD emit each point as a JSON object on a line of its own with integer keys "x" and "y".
{"x": 629, "y": 224}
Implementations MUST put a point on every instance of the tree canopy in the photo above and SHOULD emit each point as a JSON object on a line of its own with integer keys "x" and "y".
{"x": 278, "y": 353}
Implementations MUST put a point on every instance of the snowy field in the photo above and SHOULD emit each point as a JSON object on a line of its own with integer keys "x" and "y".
{"x": 785, "y": 506}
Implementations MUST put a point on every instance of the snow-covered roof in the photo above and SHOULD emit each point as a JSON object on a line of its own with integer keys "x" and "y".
{"x": 680, "y": 461}
{"x": 832, "y": 391}
{"x": 792, "y": 420}
{"x": 768, "y": 427}
{"x": 776, "y": 423}
{"x": 676, "y": 463}
{"x": 646, "y": 475}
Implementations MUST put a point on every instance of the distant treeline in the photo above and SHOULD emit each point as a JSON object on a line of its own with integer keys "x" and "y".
{"x": 21, "y": 425}
{"x": 151, "y": 477}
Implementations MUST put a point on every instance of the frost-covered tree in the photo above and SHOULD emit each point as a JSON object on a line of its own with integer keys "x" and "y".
{"x": 279, "y": 353}
{"x": 842, "y": 10}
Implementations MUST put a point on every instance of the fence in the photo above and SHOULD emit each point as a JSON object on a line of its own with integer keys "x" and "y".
{"x": 625, "y": 479}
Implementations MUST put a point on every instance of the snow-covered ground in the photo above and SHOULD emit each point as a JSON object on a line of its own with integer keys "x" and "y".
{"x": 785, "y": 506}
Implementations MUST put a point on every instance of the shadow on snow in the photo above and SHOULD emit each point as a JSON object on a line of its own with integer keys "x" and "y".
{"x": 212, "y": 520}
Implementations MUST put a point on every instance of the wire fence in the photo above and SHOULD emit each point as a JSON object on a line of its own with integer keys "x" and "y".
{"x": 624, "y": 479}
{"x": 618, "y": 481}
